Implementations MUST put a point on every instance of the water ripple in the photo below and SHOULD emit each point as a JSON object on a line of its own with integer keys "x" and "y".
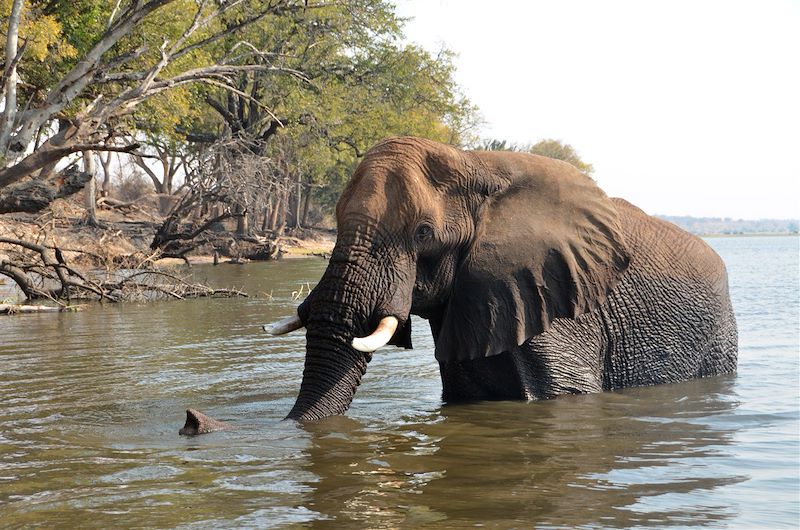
{"x": 89, "y": 412}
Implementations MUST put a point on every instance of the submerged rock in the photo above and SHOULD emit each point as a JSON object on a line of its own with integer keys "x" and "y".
{"x": 199, "y": 423}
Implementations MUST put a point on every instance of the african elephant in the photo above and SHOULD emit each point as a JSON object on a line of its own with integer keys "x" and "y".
{"x": 534, "y": 282}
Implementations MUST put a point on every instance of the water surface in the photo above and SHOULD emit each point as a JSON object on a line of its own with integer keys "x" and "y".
{"x": 90, "y": 405}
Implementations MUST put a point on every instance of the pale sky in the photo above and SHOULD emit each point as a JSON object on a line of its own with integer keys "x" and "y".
{"x": 683, "y": 107}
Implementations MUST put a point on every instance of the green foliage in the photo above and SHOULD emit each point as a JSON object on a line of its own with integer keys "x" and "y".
{"x": 56, "y": 34}
{"x": 363, "y": 85}
{"x": 341, "y": 79}
{"x": 549, "y": 148}
{"x": 561, "y": 151}
{"x": 42, "y": 33}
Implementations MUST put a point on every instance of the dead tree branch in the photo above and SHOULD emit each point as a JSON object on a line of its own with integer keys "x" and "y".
{"x": 42, "y": 271}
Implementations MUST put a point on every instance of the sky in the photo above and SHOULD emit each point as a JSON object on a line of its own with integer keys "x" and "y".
{"x": 683, "y": 107}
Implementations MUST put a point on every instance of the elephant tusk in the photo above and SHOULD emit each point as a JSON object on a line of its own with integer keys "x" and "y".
{"x": 382, "y": 334}
{"x": 281, "y": 327}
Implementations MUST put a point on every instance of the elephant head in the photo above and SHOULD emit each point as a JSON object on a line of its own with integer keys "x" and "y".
{"x": 490, "y": 247}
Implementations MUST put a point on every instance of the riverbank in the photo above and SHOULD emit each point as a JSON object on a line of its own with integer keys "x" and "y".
{"x": 59, "y": 257}
{"x": 123, "y": 239}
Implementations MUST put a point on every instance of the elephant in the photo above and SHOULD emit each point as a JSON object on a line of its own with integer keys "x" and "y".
{"x": 534, "y": 282}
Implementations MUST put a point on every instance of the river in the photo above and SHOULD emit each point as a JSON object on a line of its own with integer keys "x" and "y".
{"x": 91, "y": 402}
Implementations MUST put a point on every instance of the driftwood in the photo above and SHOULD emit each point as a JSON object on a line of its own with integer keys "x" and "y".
{"x": 12, "y": 309}
{"x": 240, "y": 249}
{"x": 109, "y": 203}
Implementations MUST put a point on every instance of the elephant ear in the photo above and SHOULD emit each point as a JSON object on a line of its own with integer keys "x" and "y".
{"x": 548, "y": 245}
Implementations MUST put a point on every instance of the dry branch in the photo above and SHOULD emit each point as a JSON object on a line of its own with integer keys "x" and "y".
{"x": 42, "y": 271}
{"x": 125, "y": 207}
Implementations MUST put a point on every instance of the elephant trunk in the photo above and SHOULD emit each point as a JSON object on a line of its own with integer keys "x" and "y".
{"x": 337, "y": 310}
{"x": 333, "y": 370}
{"x": 360, "y": 288}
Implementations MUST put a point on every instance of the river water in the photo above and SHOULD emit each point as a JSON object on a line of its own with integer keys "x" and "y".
{"x": 91, "y": 402}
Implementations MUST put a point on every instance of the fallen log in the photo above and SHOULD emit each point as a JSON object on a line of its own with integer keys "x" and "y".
{"x": 34, "y": 195}
{"x": 110, "y": 203}
{"x": 11, "y": 309}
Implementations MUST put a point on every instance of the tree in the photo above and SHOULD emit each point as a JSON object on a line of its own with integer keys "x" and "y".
{"x": 560, "y": 151}
{"x": 131, "y": 59}
{"x": 288, "y": 144}
{"x": 266, "y": 107}
{"x": 549, "y": 148}
{"x": 89, "y": 167}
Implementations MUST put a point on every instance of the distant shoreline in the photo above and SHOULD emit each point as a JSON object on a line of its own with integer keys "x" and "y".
{"x": 726, "y": 227}
{"x": 753, "y": 234}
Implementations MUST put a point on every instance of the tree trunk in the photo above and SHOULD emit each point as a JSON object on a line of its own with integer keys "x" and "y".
{"x": 165, "y": 202}
{"x": 90, "y": 198}
{"x": 106, "y": 163}
{"x": 9, "y": 91}
{"x": 273, "y": 222}
{"x": 175, "y": 164}
{"x": 163, "y": 157}
{"x": 252, "y": 221}
{"x": 283, "y": 211}
{"x": 242, "y": 224}
{"x": 10, "y": 309}
{"x": 33, "y": 195}
{"x": 158, "y": 185}
{"x": 306, "y": 206}
{"x": 265, "y": 219}
{"x": 298, "y": 206}
{"x": 43, "y": 159}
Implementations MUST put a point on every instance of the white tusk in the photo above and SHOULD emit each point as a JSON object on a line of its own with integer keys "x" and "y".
{"x": 382, "y": 334}
{"x": 281, "y": 327}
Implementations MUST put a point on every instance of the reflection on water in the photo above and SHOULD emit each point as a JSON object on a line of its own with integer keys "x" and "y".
{"x": 90, "y": 404}
{"x": 621, "y": 459}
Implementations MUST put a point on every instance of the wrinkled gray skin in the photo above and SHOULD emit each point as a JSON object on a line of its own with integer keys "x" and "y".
{"x": 535, "y": 283}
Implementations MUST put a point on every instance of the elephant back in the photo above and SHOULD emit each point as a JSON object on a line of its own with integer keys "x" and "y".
{"x": 670, "y": 317}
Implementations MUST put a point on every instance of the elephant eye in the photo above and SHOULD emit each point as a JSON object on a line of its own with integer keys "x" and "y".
{"x": 424, "y": 233}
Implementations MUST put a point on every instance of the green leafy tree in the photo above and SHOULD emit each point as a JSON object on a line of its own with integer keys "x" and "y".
{"x": 108, "y": 58}
{"x": 549, "y": 148}
{"x": 561, "y": 151}
{"x": 360, "y": 85}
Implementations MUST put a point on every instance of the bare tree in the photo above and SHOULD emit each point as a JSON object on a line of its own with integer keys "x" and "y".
{"x": 164, "y": 162}
{"x": 105, "y": 162}
{"x": 228, "y": 181}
